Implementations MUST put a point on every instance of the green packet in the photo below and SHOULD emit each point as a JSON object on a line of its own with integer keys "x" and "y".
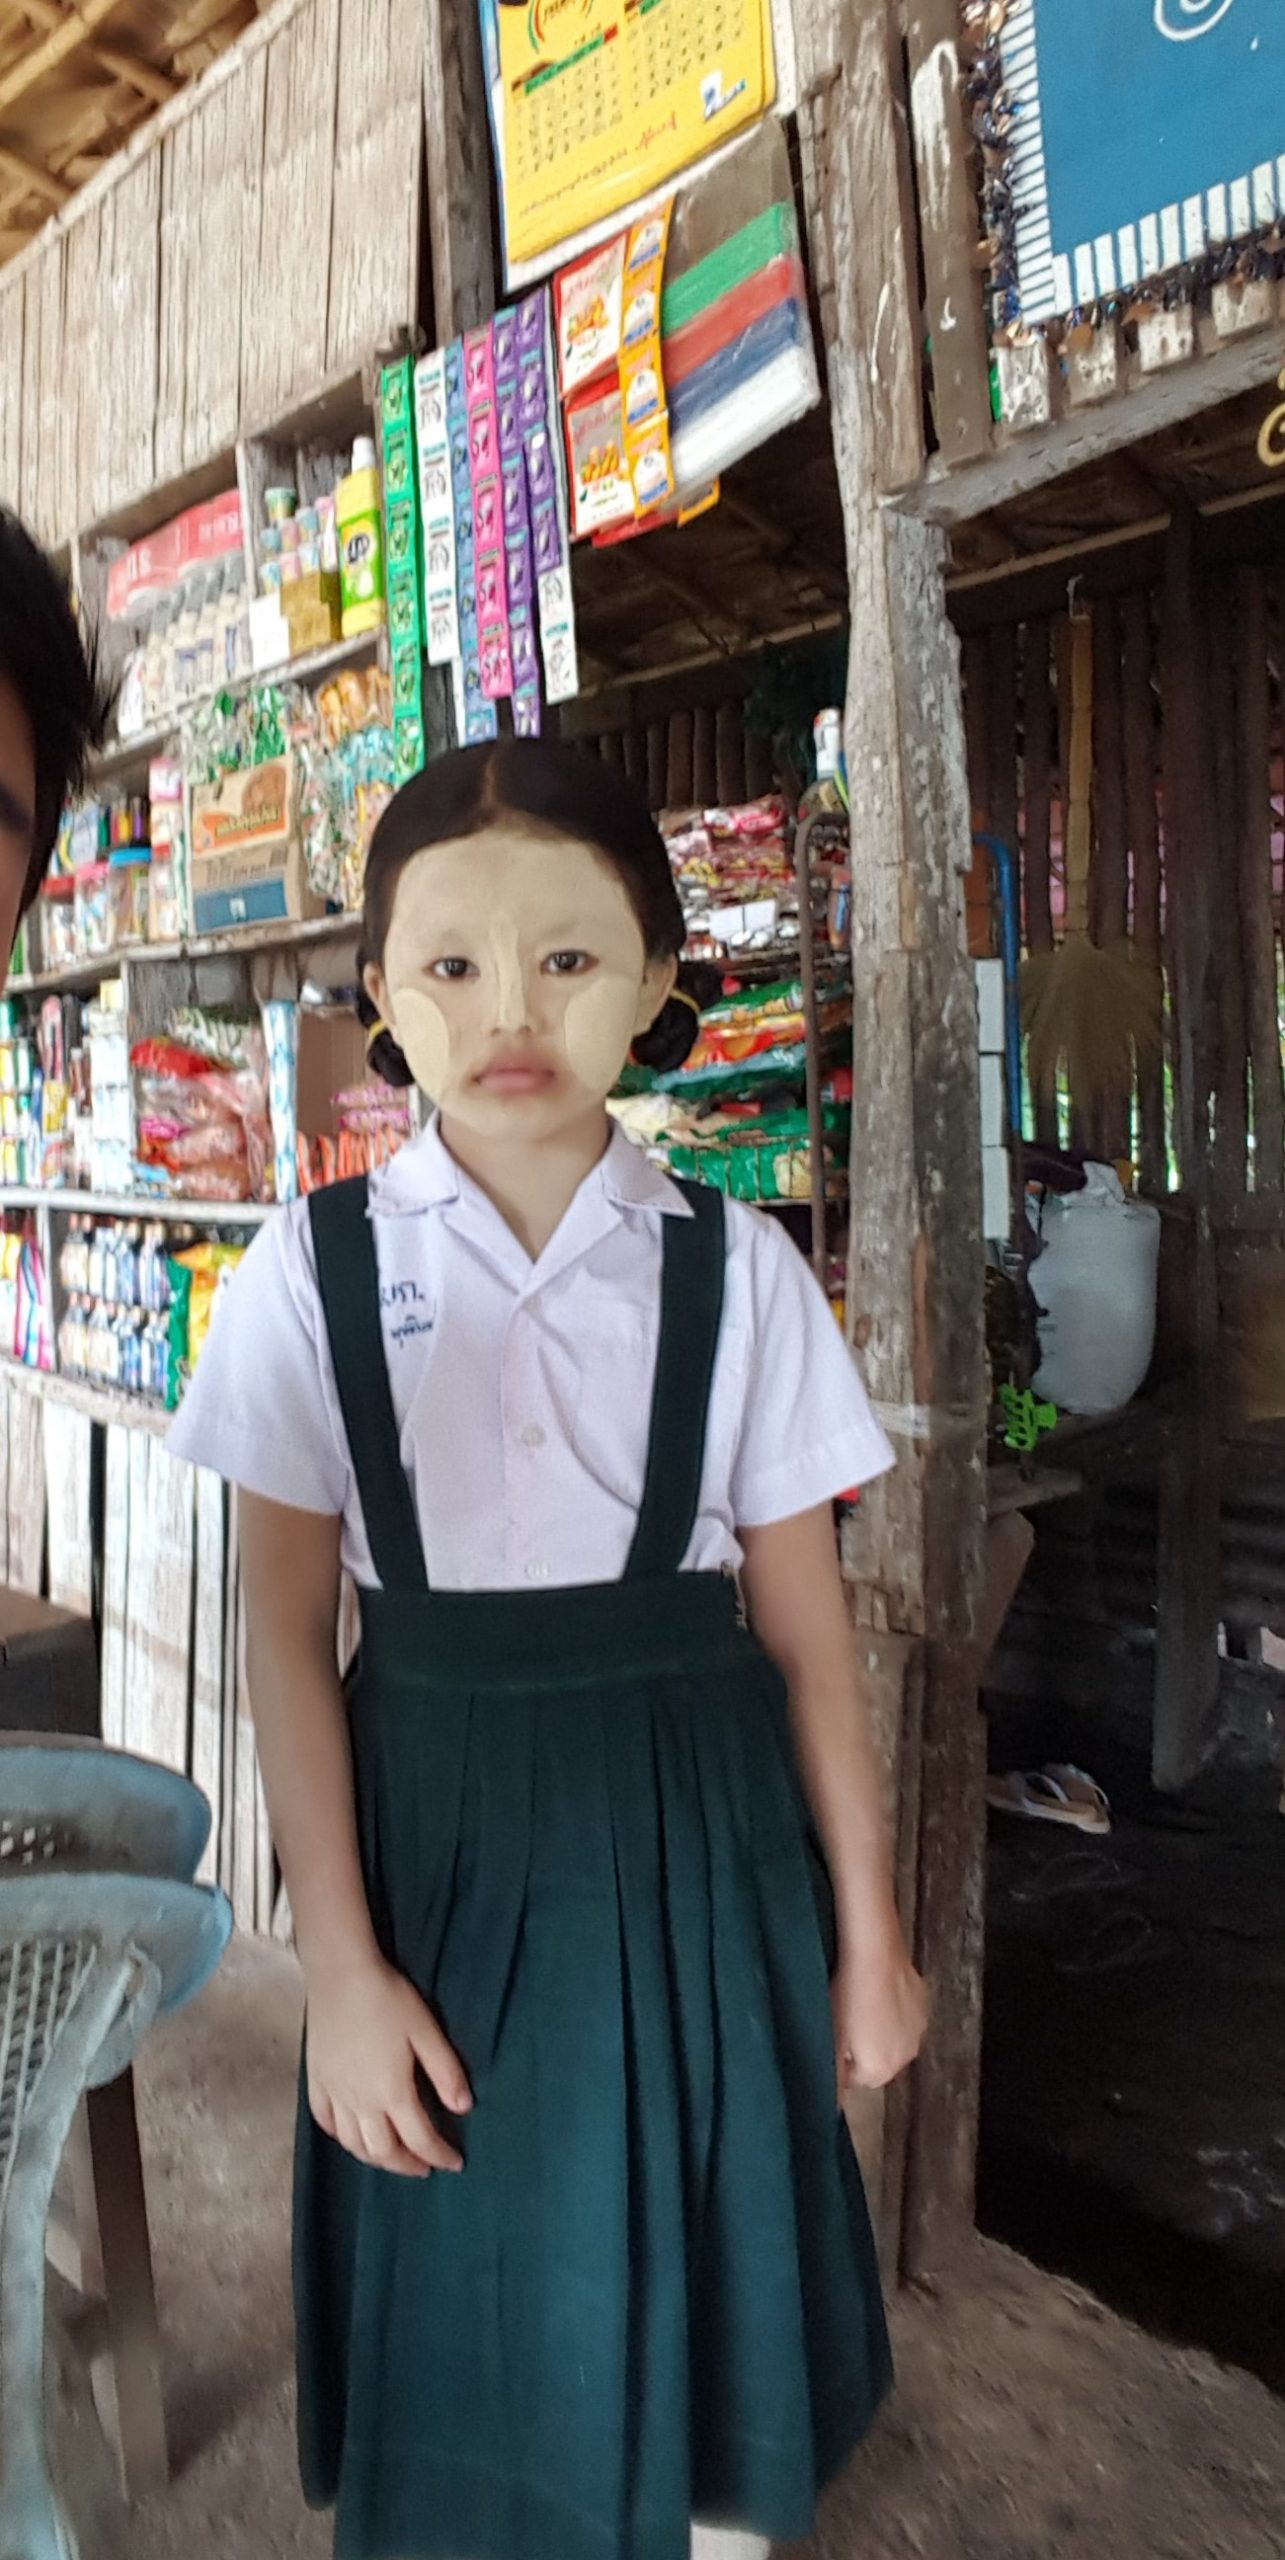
{"x": 180, "y": 1333}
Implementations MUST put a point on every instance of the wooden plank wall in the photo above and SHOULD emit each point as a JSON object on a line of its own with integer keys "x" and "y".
{"x": 1016, "y": 687}
{"x": 172, "y": 1647}
{"x": 257, "y": 243}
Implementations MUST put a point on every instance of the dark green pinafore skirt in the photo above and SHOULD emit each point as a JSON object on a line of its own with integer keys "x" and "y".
{"x": 652, "y": 2294}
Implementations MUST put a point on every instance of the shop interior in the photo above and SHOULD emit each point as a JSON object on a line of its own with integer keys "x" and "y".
{"x": 1131, "y": 2131}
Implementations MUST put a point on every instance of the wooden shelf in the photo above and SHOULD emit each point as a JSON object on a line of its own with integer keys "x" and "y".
{"x": 312, "y": 668}
{"x": 209, "y": 946}
{"x": 137, "y": 1204}
{"x": 102, "y": 1404}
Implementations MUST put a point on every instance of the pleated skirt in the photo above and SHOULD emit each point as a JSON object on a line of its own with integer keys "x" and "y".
{"x": 652, "y": 2295}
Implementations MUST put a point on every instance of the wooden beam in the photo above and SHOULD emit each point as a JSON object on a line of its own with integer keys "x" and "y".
{"x": 31, "y": 179}
{"x": 1157, "y": 402}
{"x": 45, "y": 57}
{"x": 138, "y": 75}
{"x": 914, "y": 1553}
{"x": 949, "y": 227}
{"x": 457, "y": 149}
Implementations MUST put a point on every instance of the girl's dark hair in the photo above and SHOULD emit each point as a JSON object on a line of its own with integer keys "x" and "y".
{"x": 56, "y": 678}
{"x": 555, "y": 790}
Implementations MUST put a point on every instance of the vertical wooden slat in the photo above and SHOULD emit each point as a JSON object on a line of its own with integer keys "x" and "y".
{"x": 1189, "y": 1592}
{"x": 1037, "y": 774}
{"x": 1001, "y": 717}
{"x": 680, "y": 784}
{"x": 207, "y": 1658}
{"x": 184, "y": 215}
{"x": 704, "y": 759}
{"x": 657, "y": 763}
{"x": 279, "y": 364}
{"x": 634, "y": 746}
{"x": 758, "y": 764}
{"x": 976, "y": 663}
{"x": 26, "y": 1492}
{"x": 1109, "y": 876}
{"x": 68, "y": 1439}
{"x": 1257, "y": 906}
{"x": 374, "y": 231}
{"x": 1140, "y": 745}
{"x": 1231, "y": 1080}
{"x": 729, "y": 753}
{"x": 116, "y": 1523}
{"x": 13, "y": 325}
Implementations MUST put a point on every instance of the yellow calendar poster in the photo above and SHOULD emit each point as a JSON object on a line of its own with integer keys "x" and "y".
{"x": 597, "y": 102}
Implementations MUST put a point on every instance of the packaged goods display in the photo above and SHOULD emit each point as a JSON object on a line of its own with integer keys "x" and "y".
{"x": 24, "y": 1326}
{"x": 734, "y": 1113}
{"x": 138, "y": 1304}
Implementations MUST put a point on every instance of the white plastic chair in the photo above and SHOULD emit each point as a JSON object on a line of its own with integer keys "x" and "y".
{"x": 101, "y": 1929}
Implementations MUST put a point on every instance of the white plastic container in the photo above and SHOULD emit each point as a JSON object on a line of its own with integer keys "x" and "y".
{"x": 1095, "y": 1287}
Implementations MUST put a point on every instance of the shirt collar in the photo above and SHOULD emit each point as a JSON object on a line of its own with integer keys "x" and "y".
{"x": 424, "y": 1175}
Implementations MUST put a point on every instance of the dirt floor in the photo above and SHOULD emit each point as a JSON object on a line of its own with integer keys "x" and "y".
{"x": 1133, "y": 2119}
{"x": 1029, "y": 2423}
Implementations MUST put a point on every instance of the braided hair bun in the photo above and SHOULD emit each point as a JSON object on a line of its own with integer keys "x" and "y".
{"x": 674, "y": 1033}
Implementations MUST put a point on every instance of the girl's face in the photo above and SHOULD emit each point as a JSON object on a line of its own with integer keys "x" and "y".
{"x": 515, "y": 978}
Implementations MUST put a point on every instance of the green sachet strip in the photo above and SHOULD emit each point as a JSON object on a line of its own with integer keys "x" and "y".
{"x": 768, "y": 236}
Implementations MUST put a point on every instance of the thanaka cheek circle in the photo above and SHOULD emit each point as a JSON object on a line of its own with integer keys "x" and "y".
{"x": 598, "y": 1027}
{"x": 423, "y": 1036}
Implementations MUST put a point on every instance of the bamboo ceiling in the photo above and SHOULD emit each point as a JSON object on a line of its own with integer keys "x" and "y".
{"x": 77, "y": 80}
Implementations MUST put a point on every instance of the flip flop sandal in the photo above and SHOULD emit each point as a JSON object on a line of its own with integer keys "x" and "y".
{"x": 1038, "y": 1797}
{"x": 1080, "y": 1788}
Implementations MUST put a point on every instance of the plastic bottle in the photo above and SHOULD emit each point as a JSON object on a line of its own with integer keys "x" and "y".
{"x": 361, "y": 544}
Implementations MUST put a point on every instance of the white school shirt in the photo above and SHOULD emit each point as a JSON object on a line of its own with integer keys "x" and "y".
{"x": 522, "y": 1390}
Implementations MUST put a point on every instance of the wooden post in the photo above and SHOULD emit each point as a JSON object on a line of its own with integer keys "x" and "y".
{"x": 949, "y": 227}
{"x": 1257, "y": 913}
{"x": 1188, "y": 1598}
{"x": 457, "y": 132}
{"x": 915, "y": 1275}
{"x": 1110, "y": 877}
{"x": 461, "y": 228}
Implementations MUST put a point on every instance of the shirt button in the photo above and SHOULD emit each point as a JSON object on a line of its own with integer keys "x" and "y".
{"x": 533, "y": 1437}
{"x": 537, "y": 1573}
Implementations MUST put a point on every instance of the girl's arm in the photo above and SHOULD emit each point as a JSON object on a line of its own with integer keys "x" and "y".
{"x": 794, "y": 1592}
{"x": 368, "y": 2029}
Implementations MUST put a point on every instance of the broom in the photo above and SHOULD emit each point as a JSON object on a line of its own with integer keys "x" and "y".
{"x": 1088, "y": 1009}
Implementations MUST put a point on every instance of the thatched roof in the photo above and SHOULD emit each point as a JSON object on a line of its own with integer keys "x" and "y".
{"x": 76, "y": 82}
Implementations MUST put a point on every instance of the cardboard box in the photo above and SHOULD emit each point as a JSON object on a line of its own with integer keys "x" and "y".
{"x": 997, "y": 1213}
{"x": 247, "y": 862}
{"x": 48, "y": 1668}
{"x": 990, "y": 1006}
{"x": 992, "y": 1099}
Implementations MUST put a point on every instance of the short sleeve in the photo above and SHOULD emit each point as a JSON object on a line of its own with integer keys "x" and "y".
{"x": 261, "y": 1409}
{"x": 808, "y": 1433}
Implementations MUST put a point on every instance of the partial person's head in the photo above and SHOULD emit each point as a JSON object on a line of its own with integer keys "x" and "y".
{"x": 522, "y": 935}
{"x": 51, "y": 713}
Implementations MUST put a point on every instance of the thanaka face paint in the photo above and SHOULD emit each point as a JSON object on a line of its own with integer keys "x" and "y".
{"x": 515, "y": 978}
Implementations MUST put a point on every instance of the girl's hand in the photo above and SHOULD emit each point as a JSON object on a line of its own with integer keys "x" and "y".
{"x": 368, "y": 2030}
{"x": 880, "y": 2009}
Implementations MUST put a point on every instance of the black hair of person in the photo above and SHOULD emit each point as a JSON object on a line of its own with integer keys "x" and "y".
{"x": 555, "y": 790}
{"x": 56, "y": 678}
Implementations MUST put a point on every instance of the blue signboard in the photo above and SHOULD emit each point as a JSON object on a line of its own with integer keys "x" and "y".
{"x": 1146, "y": 133}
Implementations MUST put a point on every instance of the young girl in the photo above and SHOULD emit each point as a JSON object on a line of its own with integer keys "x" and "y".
{"x": 581, "y": 2250}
